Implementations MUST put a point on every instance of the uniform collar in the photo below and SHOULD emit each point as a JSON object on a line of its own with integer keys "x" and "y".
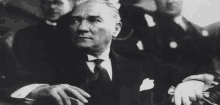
{"x": 179, "y": 20}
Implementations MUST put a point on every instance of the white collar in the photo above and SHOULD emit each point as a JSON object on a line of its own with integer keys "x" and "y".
{"x": 179, "y": 20}
{"x": 51, "y": 23}
{"x": 104, "y": 56}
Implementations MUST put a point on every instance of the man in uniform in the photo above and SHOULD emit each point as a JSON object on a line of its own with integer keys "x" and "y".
{"x": 176, "y": 41}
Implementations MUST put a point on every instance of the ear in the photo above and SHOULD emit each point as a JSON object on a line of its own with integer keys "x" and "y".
{"x": 117, "y": 29}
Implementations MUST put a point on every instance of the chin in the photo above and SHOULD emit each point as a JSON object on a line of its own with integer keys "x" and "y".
{"x": 174, "y": 13}
{"x": 54, "y": 18}
{"x": 82, "y": 45}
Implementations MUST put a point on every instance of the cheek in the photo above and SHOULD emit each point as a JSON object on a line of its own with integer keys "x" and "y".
{"x": 104, "y": 34}
{"x": 72, "y": 30}
{"x": 65, "y": 9}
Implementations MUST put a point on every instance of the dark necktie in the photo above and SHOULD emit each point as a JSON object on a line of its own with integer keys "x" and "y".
{"x": 102, "y": 74}
{"x": 100, "y": 86}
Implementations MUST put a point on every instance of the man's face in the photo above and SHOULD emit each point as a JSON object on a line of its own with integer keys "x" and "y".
{"x": 169, "y": 7}
{"x": 54, "y": 9}
{"x": 92, "y": 27}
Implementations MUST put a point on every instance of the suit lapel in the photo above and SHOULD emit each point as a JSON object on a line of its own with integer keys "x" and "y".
{"x": 125, "y": 75}
{"x": 75, "y": 71}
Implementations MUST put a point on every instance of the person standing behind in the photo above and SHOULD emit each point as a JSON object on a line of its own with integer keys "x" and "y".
{"x": 176, "y": 41}
{"x": 38, "y": 43}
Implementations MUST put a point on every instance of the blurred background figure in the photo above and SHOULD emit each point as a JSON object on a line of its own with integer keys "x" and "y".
{"x": 174, "y": 38}
{"x": 36, "y": 45}
{"x": 176, "y": 41}
{"x": 52, "y": 10}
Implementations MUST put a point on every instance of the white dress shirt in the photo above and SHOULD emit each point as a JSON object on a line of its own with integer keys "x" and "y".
{"x": 105, "y": 64}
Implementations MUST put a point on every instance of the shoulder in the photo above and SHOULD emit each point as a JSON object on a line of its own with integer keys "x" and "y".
{"x": 133, "y": 54}
{"x": 30, "y": 31}
{"x": 132, "y": 12}
{"x": 213, "y": 29}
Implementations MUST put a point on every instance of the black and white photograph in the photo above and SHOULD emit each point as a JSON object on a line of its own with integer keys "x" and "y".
{"x": 109, "y": 52}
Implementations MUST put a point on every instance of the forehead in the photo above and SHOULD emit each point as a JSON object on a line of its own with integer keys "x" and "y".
{"x": 91, "y": 9}
{"x": 53, "y": 0}
{"x": 166, "y": 0}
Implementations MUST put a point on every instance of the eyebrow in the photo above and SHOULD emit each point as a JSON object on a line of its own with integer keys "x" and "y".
{"x": 93, "y": 16}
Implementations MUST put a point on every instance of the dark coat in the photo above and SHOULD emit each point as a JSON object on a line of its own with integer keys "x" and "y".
{"x": 36, "y": 45}
{"x": 32, "y": 41}
{"x": 192, "y": 53}
{"x": 192, "y": 48}
{"x": 127, "y": 76}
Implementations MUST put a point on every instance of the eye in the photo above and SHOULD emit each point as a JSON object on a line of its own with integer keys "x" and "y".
{"x": 75, "y": 20}
{"x": 93, "y": 20}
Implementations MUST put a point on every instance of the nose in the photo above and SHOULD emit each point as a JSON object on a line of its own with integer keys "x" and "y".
{"x": 83, "y": 26}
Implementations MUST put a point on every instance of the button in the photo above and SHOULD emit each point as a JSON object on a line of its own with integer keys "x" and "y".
{"x": 3, "y": 77}
{"x": 205, "y": 33}
{"x": 173, "y": 44}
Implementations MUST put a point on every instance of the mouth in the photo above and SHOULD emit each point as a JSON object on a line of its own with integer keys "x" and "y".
{"x": 53, "y": 12}
{"x": 82, "y": 37}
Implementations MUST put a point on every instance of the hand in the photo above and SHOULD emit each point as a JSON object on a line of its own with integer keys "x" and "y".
{"x": 208, "y": 79}
{"x": 62, "y": 94}
{"x": 188, "y": 92}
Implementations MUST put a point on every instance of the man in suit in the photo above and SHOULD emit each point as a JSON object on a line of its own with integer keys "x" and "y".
{"x": 116, "y": 80}
{"x": 94, "y": 73}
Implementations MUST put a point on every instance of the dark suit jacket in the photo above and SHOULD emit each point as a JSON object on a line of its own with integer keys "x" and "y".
{"x": 36, "y": 45}
{"x": 127, "y": 76}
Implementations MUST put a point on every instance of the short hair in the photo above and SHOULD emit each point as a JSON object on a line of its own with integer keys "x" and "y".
{"x": 72, "y": 1}
{"x": 113, "y": 10}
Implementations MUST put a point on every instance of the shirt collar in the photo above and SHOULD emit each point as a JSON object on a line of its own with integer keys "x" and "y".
{"x": 104, "y": 56}
{"x": 51, "y": 23}
{"x": 178, "y": 18}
